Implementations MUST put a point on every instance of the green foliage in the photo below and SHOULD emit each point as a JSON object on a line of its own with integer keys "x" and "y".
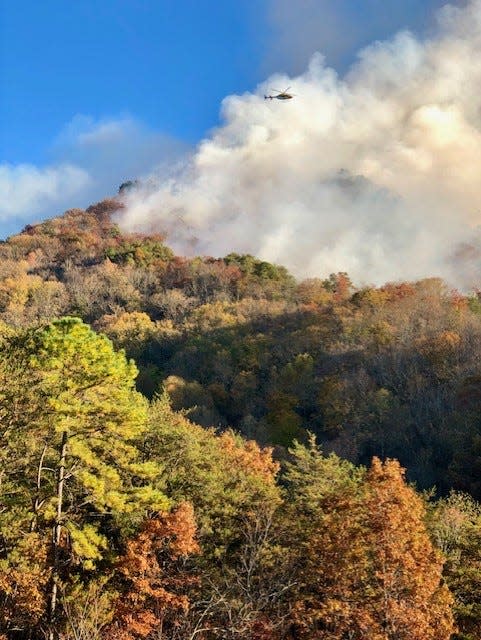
{"x": 81, "y": 428}
{"x": 312, "y": 478}
{"x": 139, "y": 251}
{"x": 236, "y": 342}
{"x": 455, "y": 523}
{"x": 254, "y": 267}
{"x": 222, "y": 475}
{"x": 262, "y": 273}
{"x": 283, "y": 423}
{"x": 372, "y": 371}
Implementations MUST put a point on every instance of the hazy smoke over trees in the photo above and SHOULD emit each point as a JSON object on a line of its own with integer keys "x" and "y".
{"x": 376, "y": 173}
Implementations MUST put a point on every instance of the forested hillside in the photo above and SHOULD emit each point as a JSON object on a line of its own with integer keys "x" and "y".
{"x": 392, "y": 371}
{"x": 207, "y": 448}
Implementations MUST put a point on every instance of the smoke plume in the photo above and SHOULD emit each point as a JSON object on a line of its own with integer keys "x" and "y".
{"x": 377, "y": 173}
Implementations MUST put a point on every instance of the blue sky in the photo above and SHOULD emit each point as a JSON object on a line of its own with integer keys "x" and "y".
{"x": 96, "y": 92}
{"x": 168, "y": 64}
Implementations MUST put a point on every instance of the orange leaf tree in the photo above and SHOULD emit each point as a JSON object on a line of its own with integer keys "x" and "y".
{"x": 153, "y": 582}
{"x": 408, "y": 600}
{"x": 366, "y": 567}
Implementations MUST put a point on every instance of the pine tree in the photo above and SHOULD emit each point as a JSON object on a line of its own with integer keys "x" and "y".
{"x": 80, "y": 475}
{"x": 330, "y": 566}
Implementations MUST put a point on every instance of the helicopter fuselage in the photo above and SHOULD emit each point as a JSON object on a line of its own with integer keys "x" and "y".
{"x": 281, "y": 96}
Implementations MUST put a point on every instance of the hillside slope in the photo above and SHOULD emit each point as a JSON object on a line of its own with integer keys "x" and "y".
{"x": 391, "y": 371}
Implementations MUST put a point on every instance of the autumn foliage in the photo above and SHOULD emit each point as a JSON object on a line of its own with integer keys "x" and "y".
{"x": 24, "y": 583}
{"x": 205, "y": 449}
{"x": 367, "y": 567}
{"x": 408, "y": 598}
{"x": 154, "y": 584}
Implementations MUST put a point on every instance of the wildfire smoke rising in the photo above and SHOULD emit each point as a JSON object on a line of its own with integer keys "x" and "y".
{"x": 377, "y": 173}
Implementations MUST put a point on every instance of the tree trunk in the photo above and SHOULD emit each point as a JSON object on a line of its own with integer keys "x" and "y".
{"x": 57, "y": 531}
{"x": 37, "y": 502}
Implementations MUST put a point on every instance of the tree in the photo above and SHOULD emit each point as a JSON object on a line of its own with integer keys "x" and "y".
{"x": 455, "y": 526}
{"x": 224, "y": 476}
{"x": 81, "y": 475}
{"x": 24, "y": 580}
{"x": 366, "y": 567}
{"x": 408, "y": 600}
{"x": 329, "y": 566}
{"x": 154, "y": 583}
{"x": 232, "y": 484}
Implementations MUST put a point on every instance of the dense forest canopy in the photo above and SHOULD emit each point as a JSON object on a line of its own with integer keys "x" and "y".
{"x": 237, "y": 342}
{"x": 203, "y": 448}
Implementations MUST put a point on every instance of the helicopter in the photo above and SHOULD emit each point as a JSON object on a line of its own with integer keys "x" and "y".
{"x": 281, "y": 95}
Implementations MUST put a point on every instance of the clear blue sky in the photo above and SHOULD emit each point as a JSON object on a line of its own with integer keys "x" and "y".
{"x": 168, "y": 63}
{"x": 161, "y": 66}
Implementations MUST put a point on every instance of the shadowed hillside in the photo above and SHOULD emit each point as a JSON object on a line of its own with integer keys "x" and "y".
{"x": 237, "y": 342}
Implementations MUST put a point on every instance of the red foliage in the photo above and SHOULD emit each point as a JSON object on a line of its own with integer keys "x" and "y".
{"x": 399, "y": 291}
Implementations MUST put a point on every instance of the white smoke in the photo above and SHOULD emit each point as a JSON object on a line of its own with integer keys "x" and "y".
{"x": 89, "y": 158}
{"x": 377, "y": 173}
